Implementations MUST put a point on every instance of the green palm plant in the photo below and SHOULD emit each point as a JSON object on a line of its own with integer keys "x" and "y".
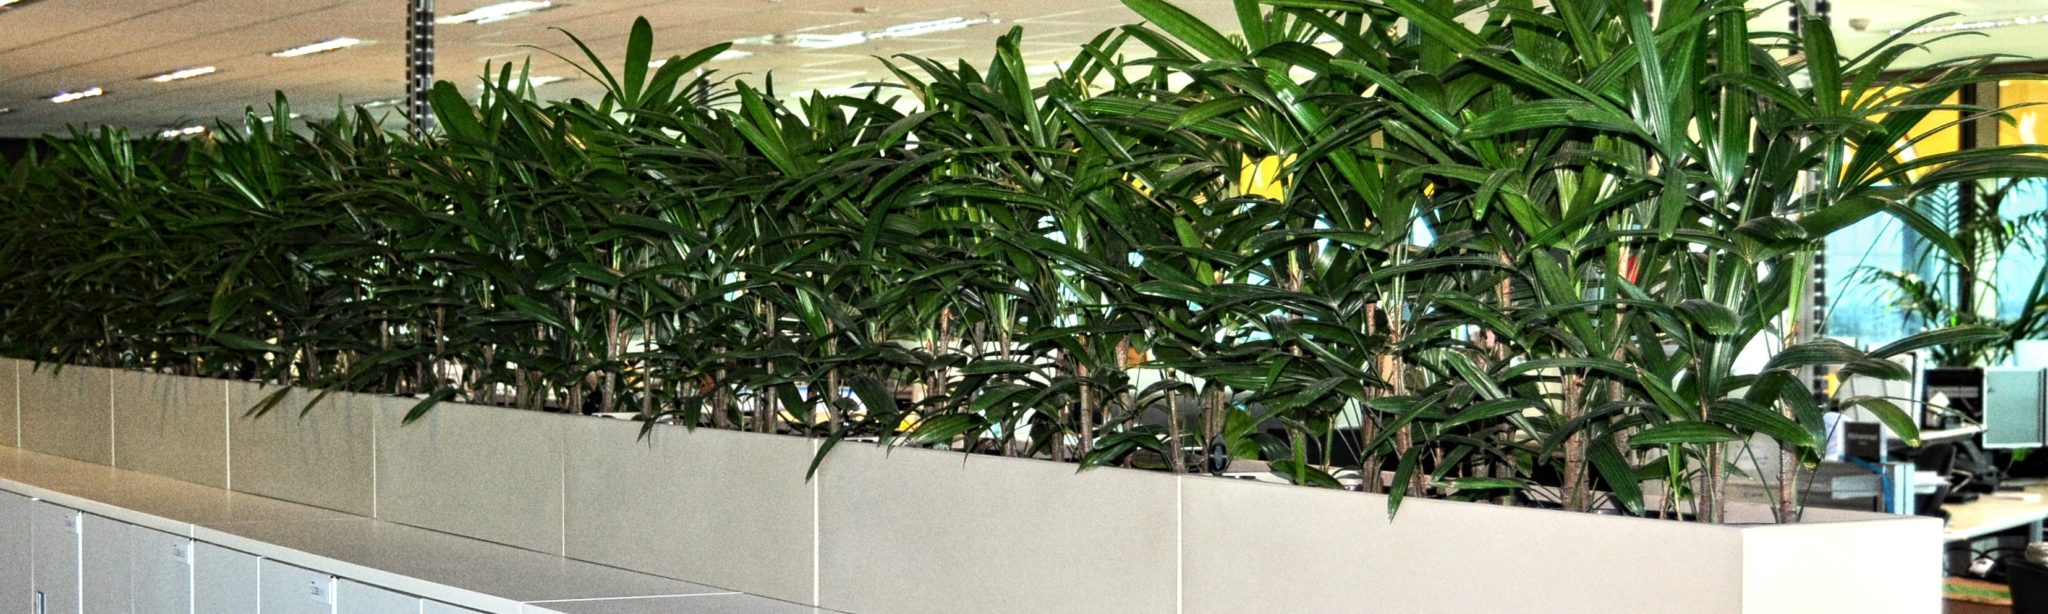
{"x": 1508, "y": 253}
{"x": 1986, "y": 237}
{"x": 1656, "y": 229}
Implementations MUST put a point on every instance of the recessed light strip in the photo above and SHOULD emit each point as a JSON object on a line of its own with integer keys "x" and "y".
{"x": 498, "y": 12}
{"x": 183, "y": 74}
{"x": 729, "y": 54}
{"x": 534, "y": 81}
{"x": 64, "y": 97}
{"x": 332, "y": 44}
{"x": 827, "y": 41}
{"x": 848, "y": 39}
{"x": 1965, "y": 26}
{"x": 928, "y": 27}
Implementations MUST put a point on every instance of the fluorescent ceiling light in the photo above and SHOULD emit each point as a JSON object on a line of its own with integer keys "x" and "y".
{"x": 848, "y": 39}
{"x": 1963, "y": 26}
{"x": 729, "y": 54}
{"x": 180, "y": 75}
{"x": 535, "y": 81}
{"x": 929, "y": 27}
{"x": 388, "y": 102}
{"x": 825, "y": 41}
{"x": 185, "y": 131}
{"x": 64, "y": 97}
{"x": 498, "y": 12}
{"x": 332, "y": 44}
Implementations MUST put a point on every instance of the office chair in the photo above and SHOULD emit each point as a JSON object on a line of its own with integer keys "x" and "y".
{"x": 1974, "y": 471}
{"x": 2029, "y": 583}
{"x": 1941, "y": 459}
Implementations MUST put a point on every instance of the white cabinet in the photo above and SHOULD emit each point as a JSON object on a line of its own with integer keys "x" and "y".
{"x": 357, "y": 598}
{"x": 54, "y": 531}
{"x": 163, "y": 572}
{"x": 224, "y": 581}
{"x": 107, "y": 554}
{"x": 15, "y": 556}
{"x": 295, "y": 590}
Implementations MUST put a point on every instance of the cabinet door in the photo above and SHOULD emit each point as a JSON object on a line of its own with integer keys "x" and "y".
{"x": 354, "y": 597}
{"x": 163, "y": 572}
{"x": 54, "y": 530}
{"x": 107, "y": 559}
{"x": 295, "y": 590}
{"x": 15, "y": 554}
{"x": 223, "y": 581}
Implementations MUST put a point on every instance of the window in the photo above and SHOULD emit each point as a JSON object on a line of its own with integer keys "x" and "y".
{"x": 1860, "y": 307}
{"x": 2025, "y": 260}
{"x": 1872, "y": 264}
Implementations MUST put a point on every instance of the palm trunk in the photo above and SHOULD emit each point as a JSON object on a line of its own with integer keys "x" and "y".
{"x": 832, "y": 386}
{"x": 1176, "y": 458}
{"x": 1368, "y": 426}
{"x": 1059, "y": 442}
{"x": 1711, "y": 506}
{"x": 1577, "y": 479}
{"x": 768, "y": 410}
{"x": 721, "y": 404}
{"x": 613, "y": 347}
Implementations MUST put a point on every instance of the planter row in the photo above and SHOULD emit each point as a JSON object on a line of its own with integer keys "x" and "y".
{"x": 913, "y": 530}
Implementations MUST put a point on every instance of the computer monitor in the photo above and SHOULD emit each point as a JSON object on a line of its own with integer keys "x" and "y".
{"x": 2013, "y": 410}
{"x": 1957, "y": 393}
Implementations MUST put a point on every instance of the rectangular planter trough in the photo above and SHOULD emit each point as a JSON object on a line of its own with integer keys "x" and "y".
{"x": 914, "y": 530}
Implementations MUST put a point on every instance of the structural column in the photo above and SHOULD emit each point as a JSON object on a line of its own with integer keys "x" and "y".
{"x": 1816, "y": 305}
{"x": 419, "y": 67}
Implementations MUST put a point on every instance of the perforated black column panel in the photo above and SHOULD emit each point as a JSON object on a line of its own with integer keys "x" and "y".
{"x": 419, "y": 67}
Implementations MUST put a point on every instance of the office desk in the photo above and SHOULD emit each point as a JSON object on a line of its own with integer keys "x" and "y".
{"x": 1989, "y": 515}
{"x": 1942, "y": 435}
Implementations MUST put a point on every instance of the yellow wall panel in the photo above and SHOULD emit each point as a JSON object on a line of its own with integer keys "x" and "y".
{"x": 1263, "y": 178}
{"x": 2030, "y": 124}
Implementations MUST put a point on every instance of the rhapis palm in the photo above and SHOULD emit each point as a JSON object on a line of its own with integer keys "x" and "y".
{"x": 1641, "y": 210}
{"x": 1518, "y": 249}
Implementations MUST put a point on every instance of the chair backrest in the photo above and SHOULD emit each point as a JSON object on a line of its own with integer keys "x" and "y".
{"x": 2029, "y": 584}
{"x": 1939, "y": 458}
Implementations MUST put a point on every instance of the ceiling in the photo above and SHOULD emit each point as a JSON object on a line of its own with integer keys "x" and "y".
{"x": 53, "y": 46}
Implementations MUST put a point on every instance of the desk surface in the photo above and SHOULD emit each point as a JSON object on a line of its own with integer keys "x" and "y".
{"x": 1961, "y": 432}
{"x": 1989, "y": 515}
